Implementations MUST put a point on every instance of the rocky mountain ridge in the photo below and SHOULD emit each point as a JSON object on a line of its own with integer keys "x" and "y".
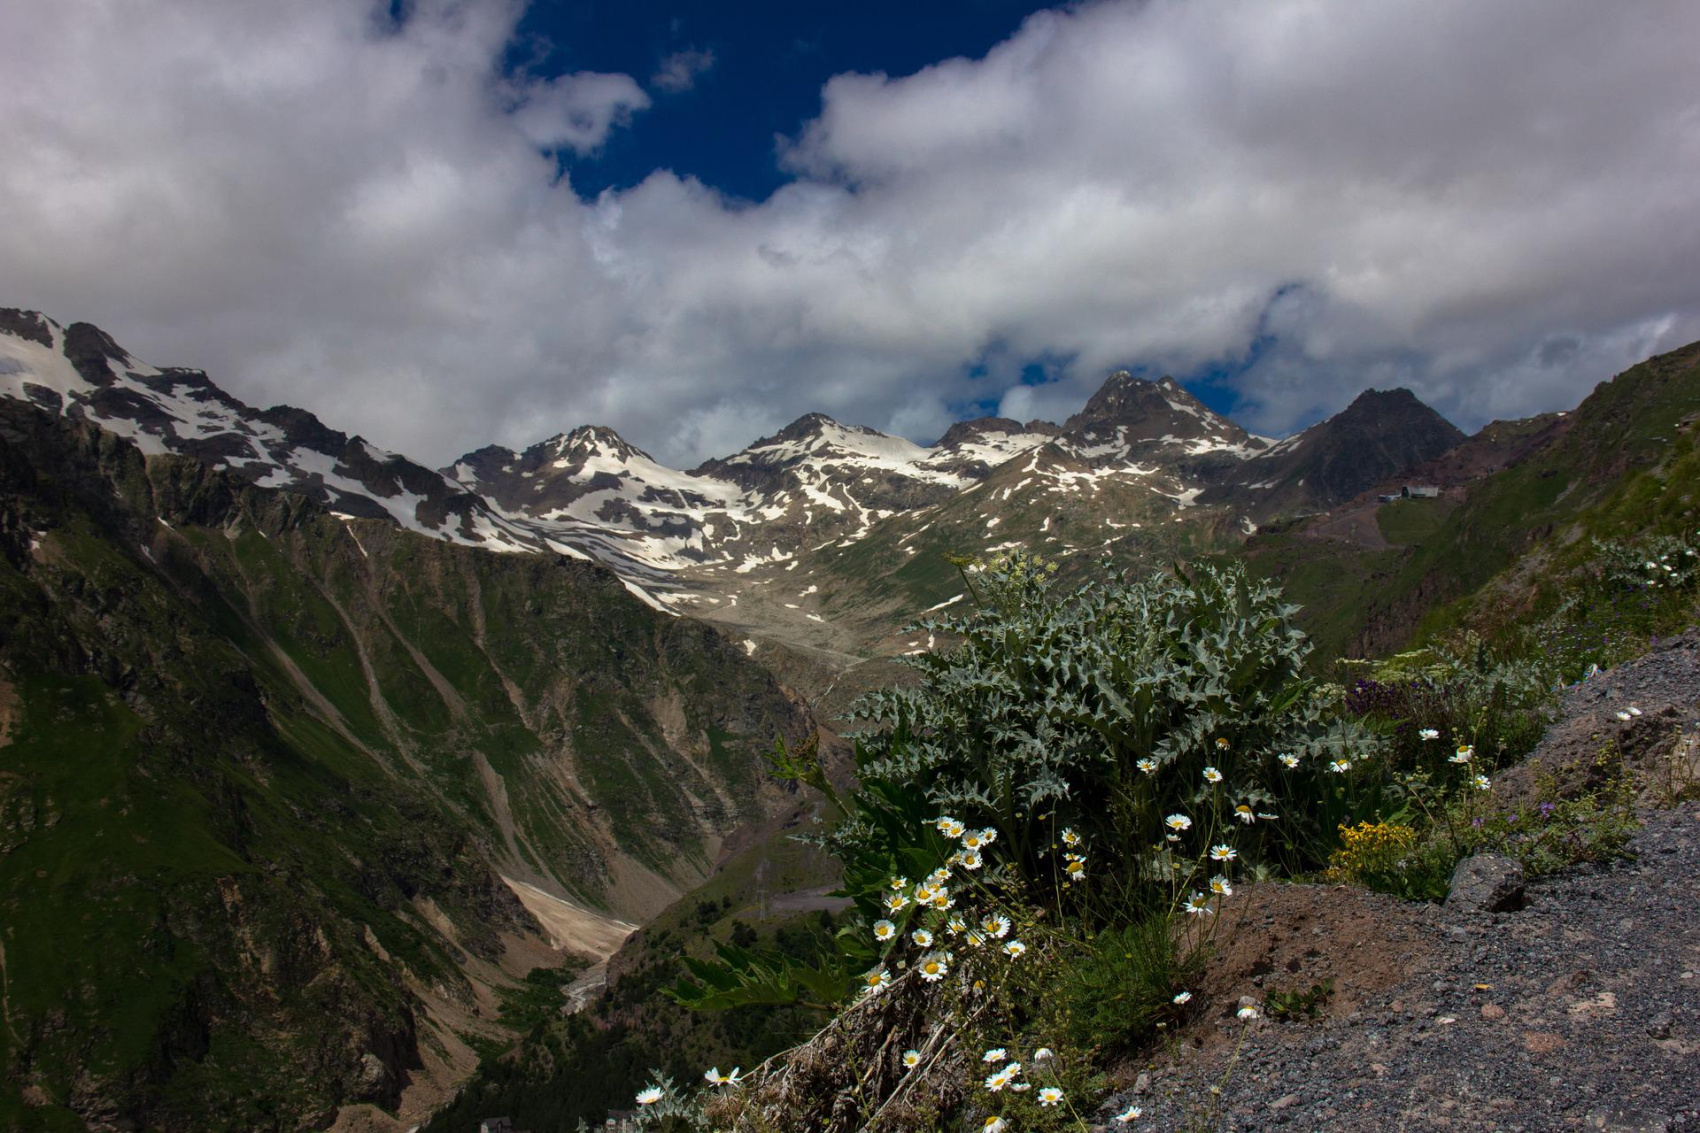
{"x": 1140, "y": 455}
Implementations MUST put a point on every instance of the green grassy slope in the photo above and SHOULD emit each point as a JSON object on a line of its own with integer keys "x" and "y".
{"x": 1626, "y": 465}
{"x": 254, "y": 759}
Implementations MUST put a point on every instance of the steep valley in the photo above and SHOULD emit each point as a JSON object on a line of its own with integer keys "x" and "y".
{"x": 272, "y": 779}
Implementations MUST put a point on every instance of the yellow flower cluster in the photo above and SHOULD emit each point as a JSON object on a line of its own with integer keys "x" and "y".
{"x": 1369, "y": 847}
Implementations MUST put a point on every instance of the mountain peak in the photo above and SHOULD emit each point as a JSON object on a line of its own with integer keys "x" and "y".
{"x": 1396, "y": 410}
{"x": 965, "y": 431}
{"x": 595, "y": 440}
{"x": 804, "y": 427}
{"x": 1138, "y": 409}
{"x": 32, "y": 326}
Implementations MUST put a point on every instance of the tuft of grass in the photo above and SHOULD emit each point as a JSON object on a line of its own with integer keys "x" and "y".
{"x": 1120, "y": 989}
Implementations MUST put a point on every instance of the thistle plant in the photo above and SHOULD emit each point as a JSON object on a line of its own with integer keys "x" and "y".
{"x": 1152, "y": 714}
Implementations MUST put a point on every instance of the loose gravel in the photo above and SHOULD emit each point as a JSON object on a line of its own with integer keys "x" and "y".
{"x": 1580, "y": 1011}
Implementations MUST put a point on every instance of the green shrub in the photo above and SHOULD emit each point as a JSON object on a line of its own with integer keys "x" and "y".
{"x": 1428, "y": 703}
{"x": 1550, "y": 834}
{"x": 1108, "y": 711}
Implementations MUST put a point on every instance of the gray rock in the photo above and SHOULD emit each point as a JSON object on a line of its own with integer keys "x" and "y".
{"x": 374, "y": 1077}
{"x": 1486, "y": 883}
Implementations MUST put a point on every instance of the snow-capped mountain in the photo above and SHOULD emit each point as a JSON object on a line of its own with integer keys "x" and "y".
{"x": 814, "y": 483}
{"x": 1141, "y": 457}
{"x": 80, "y": 371}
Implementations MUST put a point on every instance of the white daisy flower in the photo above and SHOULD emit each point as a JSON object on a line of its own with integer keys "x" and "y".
{"x": 1070, "y": 838}
{"x": 1014, "y": 948}
{"x": 1464, "y": 754}
{"x": 1219, "y": 886}
{"x": 1196, "y": 905}
{"x": 1183, "y": 997}
{"x": 896, "y": 902}
{"x": 993, "y": 1124}
{"x": 933, "y": 967}
{"x": 1211, "y": 775}
{"x": 1020, "y": 1087}
{"x": 996, "y": 924}
{"x": 1288, "y": 760}
{"x": 1221, "y": 744}
{"x": 1076, "y": 869}
{"x": 922, "y": 937}
{"x": 899, "y": 883}
{"x": 938, "y": 877}
{"x": 988, "y": 835}
{"x": 955, "y": 925}
{"x": 1178, "y": 822}
{"x": 1129, "y": 1115}
{"x": 1624, "y": 716}
{"x": 996, "y": 1054}
{"x": 649, "y": 1095}
{"x": 1481, "y": 782}
{"x": 971, "y": 859}
{"x": 1050, "y": 1095}
{"x": 875, "y": 980}
{"x": 1147, "y": 765}
{"x": 1427, "y": 734}
{"x": 1245, "y": 814}
{"x": 1223, "y": 853}
{"x": 944, "y": 822}
{"x": 1340, "y": 766}
{"x": 1043, "y": 1054}
{"x": 1248, "y": 1012}
{"x": 884, "y": 930}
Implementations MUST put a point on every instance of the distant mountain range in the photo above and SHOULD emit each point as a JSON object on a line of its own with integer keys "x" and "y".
{"x": 1139, "y": 455}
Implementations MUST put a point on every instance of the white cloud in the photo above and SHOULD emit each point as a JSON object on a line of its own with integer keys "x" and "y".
{"x": 576, "y": 111}
{"x": 1492, "y": 204}
{"x": 680, "y": 70}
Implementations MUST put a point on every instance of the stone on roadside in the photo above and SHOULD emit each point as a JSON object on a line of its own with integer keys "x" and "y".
{"x": 1486, "y": 883}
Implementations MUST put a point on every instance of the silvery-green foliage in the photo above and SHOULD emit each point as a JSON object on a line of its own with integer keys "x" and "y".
{"x": 1041, "y": 711}
{"x": 673, "y": 1112}
{"x": 1652, "y": 562}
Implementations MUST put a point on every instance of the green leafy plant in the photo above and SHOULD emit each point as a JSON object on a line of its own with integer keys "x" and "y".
{"x": 1113, "y": 709}
{"x": 1429, "y": 702}
{"x": 1288, "y": 1006}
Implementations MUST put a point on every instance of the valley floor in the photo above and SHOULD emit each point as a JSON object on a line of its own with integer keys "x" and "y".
{"x": 1581, "y": 1011}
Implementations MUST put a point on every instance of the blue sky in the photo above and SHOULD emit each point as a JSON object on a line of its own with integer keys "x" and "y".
{"x": 769, "y": 62}
{"x": 446, "y": 223}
